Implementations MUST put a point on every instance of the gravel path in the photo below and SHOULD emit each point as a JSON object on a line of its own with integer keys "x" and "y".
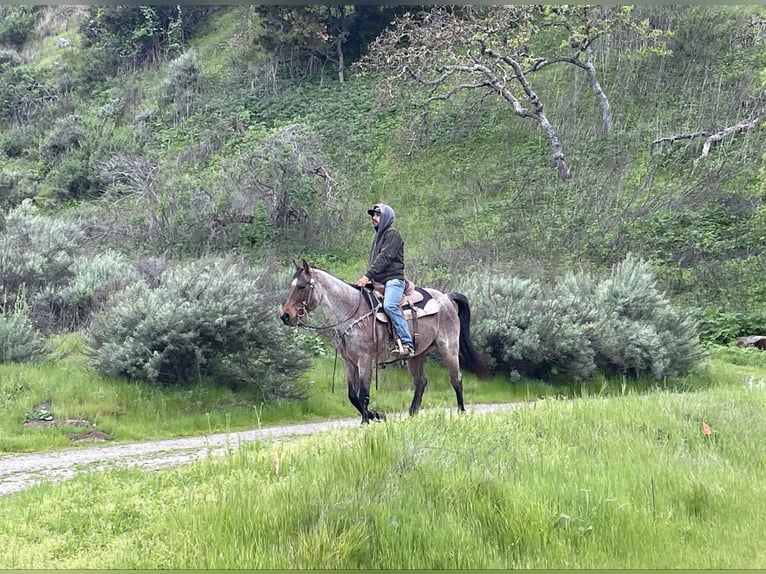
{"x": 18, "y": 472}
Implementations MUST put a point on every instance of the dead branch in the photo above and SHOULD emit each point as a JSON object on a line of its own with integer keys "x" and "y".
{"x": 714, "y": 138}
{"x": 674, "y": 138}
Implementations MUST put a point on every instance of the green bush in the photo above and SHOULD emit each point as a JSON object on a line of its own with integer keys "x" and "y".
{"x": 522, "y": 332}
{"x": 10, "y": 57}
{"x": 637, "y": 330}
{"x": 567, "y": 331}
{"x": 23, "y": 90}
{"x": 19, "y": 340}
{"x": 95, "y": 278}
{"x": 181, "y": 84}
{"x": 36, "y": 250}
{"x": 16, "y": 24}
{"x": 14, "y": 142}
{"x": 211, "y": 320}
{"x": 68, "y": 133}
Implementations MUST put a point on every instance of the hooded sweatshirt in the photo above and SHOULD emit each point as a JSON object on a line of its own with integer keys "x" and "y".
{"x": 387, "y": 253}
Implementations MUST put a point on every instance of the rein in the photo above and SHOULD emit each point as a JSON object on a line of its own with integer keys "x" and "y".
{"x": 303, "y": 312}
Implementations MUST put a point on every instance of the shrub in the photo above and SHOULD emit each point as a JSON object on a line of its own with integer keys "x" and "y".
{"x": 16, "y": 24}
{"x": 637, "y": 330}
{"x": 95, "y": 278}
{"x": 14, "y": 142}
{"x": 36, "y": 250}
{"x": 521, "y": 332}
{"x": 622, "y": 324}
{"x": 180, "y": 86}
{"x": 209, "y": 320}
{"x": 10, "y": 57}
{"x": 19, "y": 340}
{"x": 22, "y": 91}
{"x": 67, "y": 133}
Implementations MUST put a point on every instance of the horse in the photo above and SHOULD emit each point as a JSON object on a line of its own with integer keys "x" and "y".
{"x": 360, "y": 334}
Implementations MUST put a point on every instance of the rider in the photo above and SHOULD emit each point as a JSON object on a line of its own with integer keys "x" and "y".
{"x": 387, "y": 267}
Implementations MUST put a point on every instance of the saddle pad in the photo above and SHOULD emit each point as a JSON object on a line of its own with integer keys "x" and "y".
{"x": 423, "y": 305}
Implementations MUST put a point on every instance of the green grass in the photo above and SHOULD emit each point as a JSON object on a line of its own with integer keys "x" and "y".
{"x": 134, "y": 410}
{"x": 623, "y": 482}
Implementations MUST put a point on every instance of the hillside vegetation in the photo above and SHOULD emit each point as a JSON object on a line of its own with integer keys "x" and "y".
{"x": 145, "y": 147}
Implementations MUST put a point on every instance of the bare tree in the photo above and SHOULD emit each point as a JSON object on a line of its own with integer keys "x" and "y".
{"x": 585, "y": 29}
{"x": 452, "y": 51}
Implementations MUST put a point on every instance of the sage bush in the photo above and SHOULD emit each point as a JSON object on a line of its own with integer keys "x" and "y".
{"x": 580, "y": 324}
{"x": 36, "y": 250}
{"x": 94, "y": 278}
{"x": 212, "y": 320}
{"x": 20, "y": 341}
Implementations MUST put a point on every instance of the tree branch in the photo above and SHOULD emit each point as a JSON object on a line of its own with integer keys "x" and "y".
{"x": 714, "y": 138}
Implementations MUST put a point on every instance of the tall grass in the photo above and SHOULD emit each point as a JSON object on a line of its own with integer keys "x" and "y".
{"x": 625, "y": 482}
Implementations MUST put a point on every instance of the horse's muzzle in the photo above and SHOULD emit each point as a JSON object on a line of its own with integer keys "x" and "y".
{"x": 288, "y": 320}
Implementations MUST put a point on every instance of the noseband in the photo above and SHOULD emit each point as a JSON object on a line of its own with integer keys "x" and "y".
{"x": 302, "y": 310}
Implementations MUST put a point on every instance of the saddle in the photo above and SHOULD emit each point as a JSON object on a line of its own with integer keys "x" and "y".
{"x": 415, "y": 303}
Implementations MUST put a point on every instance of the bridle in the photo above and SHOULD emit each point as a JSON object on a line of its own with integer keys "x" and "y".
{"x": 302, "y": 312}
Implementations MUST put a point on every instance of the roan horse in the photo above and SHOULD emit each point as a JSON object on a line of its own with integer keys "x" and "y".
{"x": 361, "y": 339}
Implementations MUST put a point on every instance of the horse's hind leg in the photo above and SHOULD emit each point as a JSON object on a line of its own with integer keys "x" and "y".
{"x": 419, "y": 381}
{"x": 452, "y": 362}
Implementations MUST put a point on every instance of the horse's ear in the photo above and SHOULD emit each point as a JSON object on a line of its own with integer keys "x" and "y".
{"x": 297, "y": 267}
{"x": 306, "y": 266}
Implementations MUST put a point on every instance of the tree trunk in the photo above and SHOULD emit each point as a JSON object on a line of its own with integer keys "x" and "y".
{"x": 556, "y": 150}
{"x": 603, "y": 101}
{"x": 341, "y": 64}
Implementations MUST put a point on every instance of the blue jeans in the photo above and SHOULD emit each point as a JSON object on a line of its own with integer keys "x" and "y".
{"x": 392, "y": 296}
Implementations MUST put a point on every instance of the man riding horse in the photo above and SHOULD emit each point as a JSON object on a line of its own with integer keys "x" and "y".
{"x": 387, "y": 266}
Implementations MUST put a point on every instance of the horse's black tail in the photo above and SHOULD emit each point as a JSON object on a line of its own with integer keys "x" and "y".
{"x": 468, "y": 353}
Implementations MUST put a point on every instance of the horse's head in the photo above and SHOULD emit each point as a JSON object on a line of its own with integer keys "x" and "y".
{"x": 301, "y": 299}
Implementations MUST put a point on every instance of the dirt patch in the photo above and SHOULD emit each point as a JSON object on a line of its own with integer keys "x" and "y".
{"x": 94, "y": 435}
{"x": 39, "y": 423}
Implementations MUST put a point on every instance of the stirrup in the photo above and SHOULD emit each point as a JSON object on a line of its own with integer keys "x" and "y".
{"x": 401, "y": 351}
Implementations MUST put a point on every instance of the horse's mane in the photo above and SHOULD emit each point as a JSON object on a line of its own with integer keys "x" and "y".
{"x": 355, "y": 286}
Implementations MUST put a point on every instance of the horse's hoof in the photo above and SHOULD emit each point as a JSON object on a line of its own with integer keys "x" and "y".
{"x": 380, "y": 417}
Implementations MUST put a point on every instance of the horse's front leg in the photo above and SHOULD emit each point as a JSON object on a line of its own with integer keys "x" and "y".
{"x": 352, "y": 379}
{"x": 365, "y": 378}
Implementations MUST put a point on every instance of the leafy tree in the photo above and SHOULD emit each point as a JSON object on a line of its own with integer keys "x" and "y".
{"x": 330, "y": 33}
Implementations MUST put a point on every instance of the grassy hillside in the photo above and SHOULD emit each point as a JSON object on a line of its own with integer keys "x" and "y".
{"x": 474, "y": 165}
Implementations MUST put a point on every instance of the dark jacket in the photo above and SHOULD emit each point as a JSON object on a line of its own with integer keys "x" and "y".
{"x": 387, "y": 254}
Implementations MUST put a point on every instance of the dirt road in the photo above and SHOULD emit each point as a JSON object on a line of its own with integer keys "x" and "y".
{"x": 22, "y": 471}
